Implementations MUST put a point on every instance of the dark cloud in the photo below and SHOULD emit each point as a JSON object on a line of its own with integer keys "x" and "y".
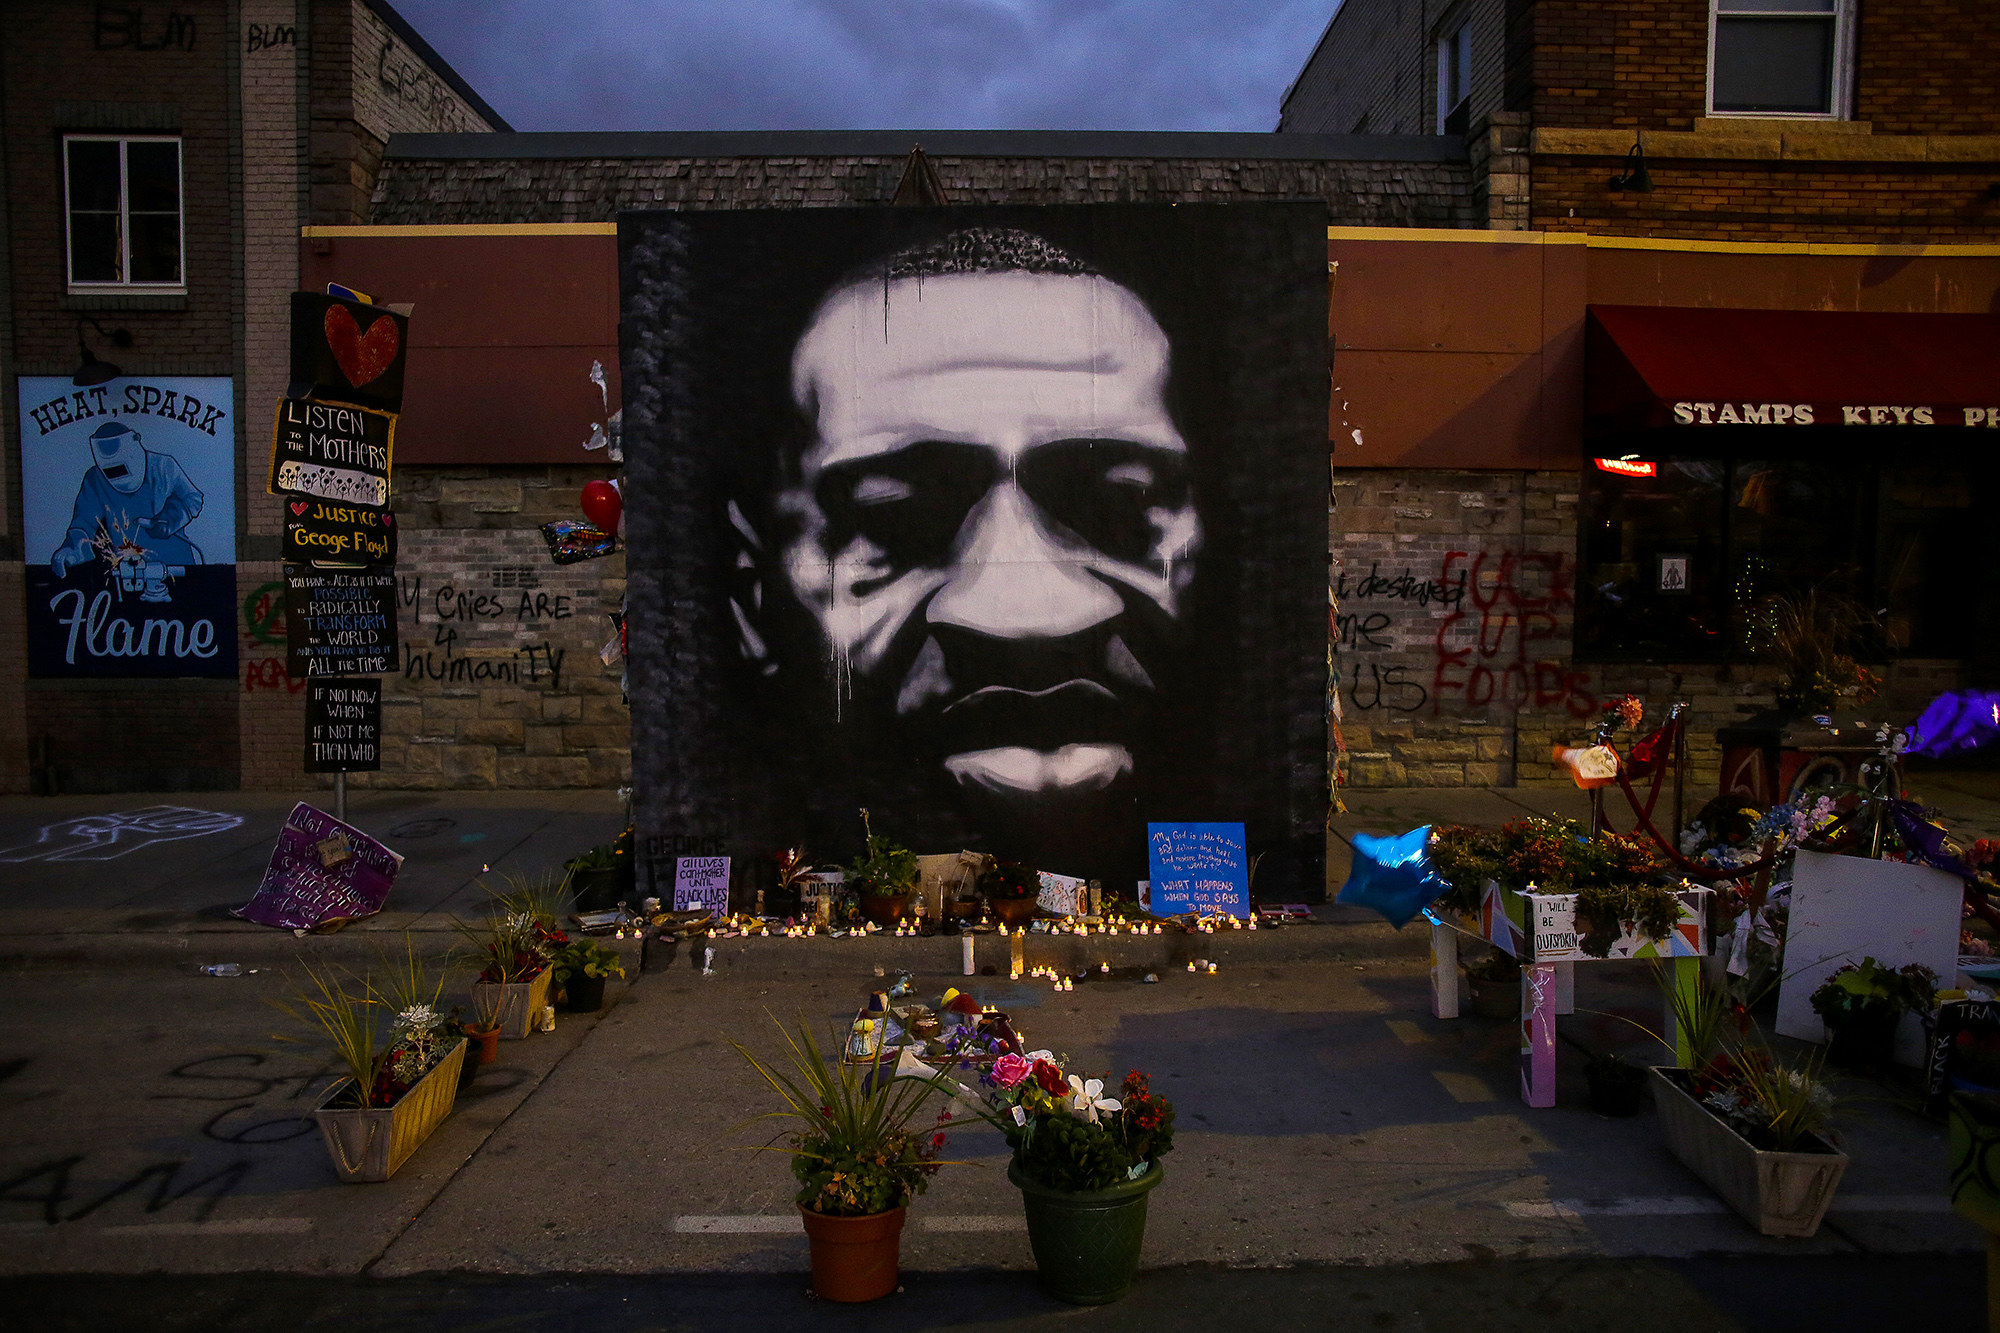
{"x": 876, "y": 64}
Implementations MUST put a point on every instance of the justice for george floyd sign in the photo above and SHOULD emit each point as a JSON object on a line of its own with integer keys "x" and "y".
{"x": 344, "y": 726}
{"x": 320, "y": 532}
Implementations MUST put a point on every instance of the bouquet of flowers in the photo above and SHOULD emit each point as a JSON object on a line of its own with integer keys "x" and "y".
{"x": 1066, "y": 1133}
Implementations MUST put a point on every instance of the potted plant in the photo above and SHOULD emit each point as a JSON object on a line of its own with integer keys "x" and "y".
{"x": 402, "y": 1060}
{"x": 1494, "y": 985}
{"x": 602, "y": 876}
{"x": 856, "y": 1157}
{"x": 884, "y": 876}
{"x": 580, "y": 970}
{"x": 512, "y": 949}
{"x": 483, "y": 1028}
{"x": 1752, "y": 1127}
{"x": 1085, "y": 1164}
{"x": 1863, "y": 1003}
{"x": 1011, "y": 890}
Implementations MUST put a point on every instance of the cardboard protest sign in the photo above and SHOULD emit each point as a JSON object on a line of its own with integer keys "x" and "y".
{"x": 348, "y": 352}
{"x": 332, "y": 452}
{"x": 1198, "y": 868}
{"x": 321, "y": 532}
{"x": 339, "y": 623}
{"x": 344, "y": 726}
{"x": 701, "y": 882}
{"x": 323, "y": 874}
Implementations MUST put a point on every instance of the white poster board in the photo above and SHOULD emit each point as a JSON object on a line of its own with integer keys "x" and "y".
{"x": 701, "y": 882}
{"x": 1848, "y": 907}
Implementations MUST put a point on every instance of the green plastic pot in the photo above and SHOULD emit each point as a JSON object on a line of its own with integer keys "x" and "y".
{"x": 1086, "y": 1242}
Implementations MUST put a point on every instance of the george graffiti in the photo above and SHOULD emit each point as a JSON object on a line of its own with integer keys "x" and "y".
{"x": 411, "y": 82}
{"x": 1518, "y": 601}
{"x": 107, "y": 837}
{"x": 126, "y": 28}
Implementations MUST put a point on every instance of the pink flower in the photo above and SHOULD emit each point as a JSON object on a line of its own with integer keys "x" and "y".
{"x": 1010, "y": 1069}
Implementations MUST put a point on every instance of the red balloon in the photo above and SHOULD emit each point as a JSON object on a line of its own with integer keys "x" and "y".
{"x": 602, "y": 505}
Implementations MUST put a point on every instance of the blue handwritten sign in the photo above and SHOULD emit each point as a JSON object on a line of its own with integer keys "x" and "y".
{"x": 1198, "y": 868}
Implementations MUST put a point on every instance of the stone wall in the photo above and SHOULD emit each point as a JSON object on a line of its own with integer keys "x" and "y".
{"x": 502, "y": 683}
{"x": 1457, "y": 593}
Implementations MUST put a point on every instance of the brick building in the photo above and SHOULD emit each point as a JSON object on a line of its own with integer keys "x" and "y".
{"x": 1703, "y": 156}
{"x": 158, "y": 164}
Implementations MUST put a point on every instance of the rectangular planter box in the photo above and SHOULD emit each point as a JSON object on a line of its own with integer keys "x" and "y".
{"x": 520, "y": 1001}
{"x": 1779, "y": 1193}
{"x": 369, "y": 1144}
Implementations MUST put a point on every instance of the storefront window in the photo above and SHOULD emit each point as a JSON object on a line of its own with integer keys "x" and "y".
{"x": 1672, "y": 565}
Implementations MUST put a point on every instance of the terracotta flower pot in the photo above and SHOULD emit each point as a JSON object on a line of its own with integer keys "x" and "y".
{"x": 1015, "y": 912}
{"x": 854, "y": 1258}
{"x": 485, "y": 1045}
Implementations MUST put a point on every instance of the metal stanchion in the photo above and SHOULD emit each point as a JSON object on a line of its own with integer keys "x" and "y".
{"x": 340, "y": 797}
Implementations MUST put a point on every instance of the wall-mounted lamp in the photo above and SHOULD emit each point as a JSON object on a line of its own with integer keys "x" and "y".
{"x": 92, "y": 371}
{"x": 1636, "y": 177}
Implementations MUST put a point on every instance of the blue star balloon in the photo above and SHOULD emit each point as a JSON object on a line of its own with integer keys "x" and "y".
{"x": 1392, "y": 876}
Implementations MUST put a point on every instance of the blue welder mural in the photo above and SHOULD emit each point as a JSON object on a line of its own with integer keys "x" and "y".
{"x": 128, "y": 497}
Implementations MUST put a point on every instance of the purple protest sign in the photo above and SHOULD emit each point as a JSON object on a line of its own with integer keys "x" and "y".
{"x": 323, "y": 874}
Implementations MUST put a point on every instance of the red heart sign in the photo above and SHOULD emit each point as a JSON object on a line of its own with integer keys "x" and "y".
{"x": 388, "y": 520}
{"x": 299, "y": 508}
{"x": 362, "y": 356}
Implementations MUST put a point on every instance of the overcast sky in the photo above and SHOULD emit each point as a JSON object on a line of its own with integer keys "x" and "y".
{"x": 876, "y": 64}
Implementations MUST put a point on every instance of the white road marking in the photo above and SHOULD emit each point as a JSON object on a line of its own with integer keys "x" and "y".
{"x": 1690, "y": 1205}
{"x": 977, "y": 1222}
{"x": 1407, "y": 1031}
{"x": 235, "y": 1226}
{"x": 772, "y": 1224}
{"x": 739, "y": 1224}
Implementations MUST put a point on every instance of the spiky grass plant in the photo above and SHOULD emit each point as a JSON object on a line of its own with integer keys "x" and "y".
{"x": 348, "y": 1014}
{"x": 851, "y": 1144}
{"x": 543, "y": 899}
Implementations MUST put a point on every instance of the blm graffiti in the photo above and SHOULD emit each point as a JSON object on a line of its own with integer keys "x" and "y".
{"x": 1005, "y": 524}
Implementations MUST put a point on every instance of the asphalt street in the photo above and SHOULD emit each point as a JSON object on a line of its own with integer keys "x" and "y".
{"x": 1343, "y": 1158}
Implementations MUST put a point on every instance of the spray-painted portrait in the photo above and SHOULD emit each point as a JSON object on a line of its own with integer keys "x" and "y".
{"x": 1006, "y": 524}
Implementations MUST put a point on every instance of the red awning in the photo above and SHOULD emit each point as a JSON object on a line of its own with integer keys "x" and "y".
{"x": 1653, "y": 366}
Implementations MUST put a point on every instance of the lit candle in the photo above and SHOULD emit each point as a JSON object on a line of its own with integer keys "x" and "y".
{"x": 1190, "y": 964}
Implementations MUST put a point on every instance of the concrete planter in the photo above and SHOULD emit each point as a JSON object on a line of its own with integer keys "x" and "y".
{"x": 520, "y": 1001}
{"x": 369, "y": 1144}
{"x": 1779, "y": 1193}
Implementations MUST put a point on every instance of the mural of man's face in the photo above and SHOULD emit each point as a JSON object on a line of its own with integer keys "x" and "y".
{"x": 995, "y": 527}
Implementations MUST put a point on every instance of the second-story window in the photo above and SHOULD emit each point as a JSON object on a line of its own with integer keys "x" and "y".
{"x": 123, "y": 205}
{"x": 1454, "y": 80}
{"x": 1779, "y": 57}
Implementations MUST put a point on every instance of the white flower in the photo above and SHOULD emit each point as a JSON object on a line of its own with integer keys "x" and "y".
{"x": 1033, "y": 1056}
{"x": 1086, "y": 1099}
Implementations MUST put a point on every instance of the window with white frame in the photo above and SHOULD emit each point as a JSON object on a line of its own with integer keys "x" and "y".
{"x": 1779, "y": 57}
{"x": 1454, "y": 81}
{"x": 122, "y": 198}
